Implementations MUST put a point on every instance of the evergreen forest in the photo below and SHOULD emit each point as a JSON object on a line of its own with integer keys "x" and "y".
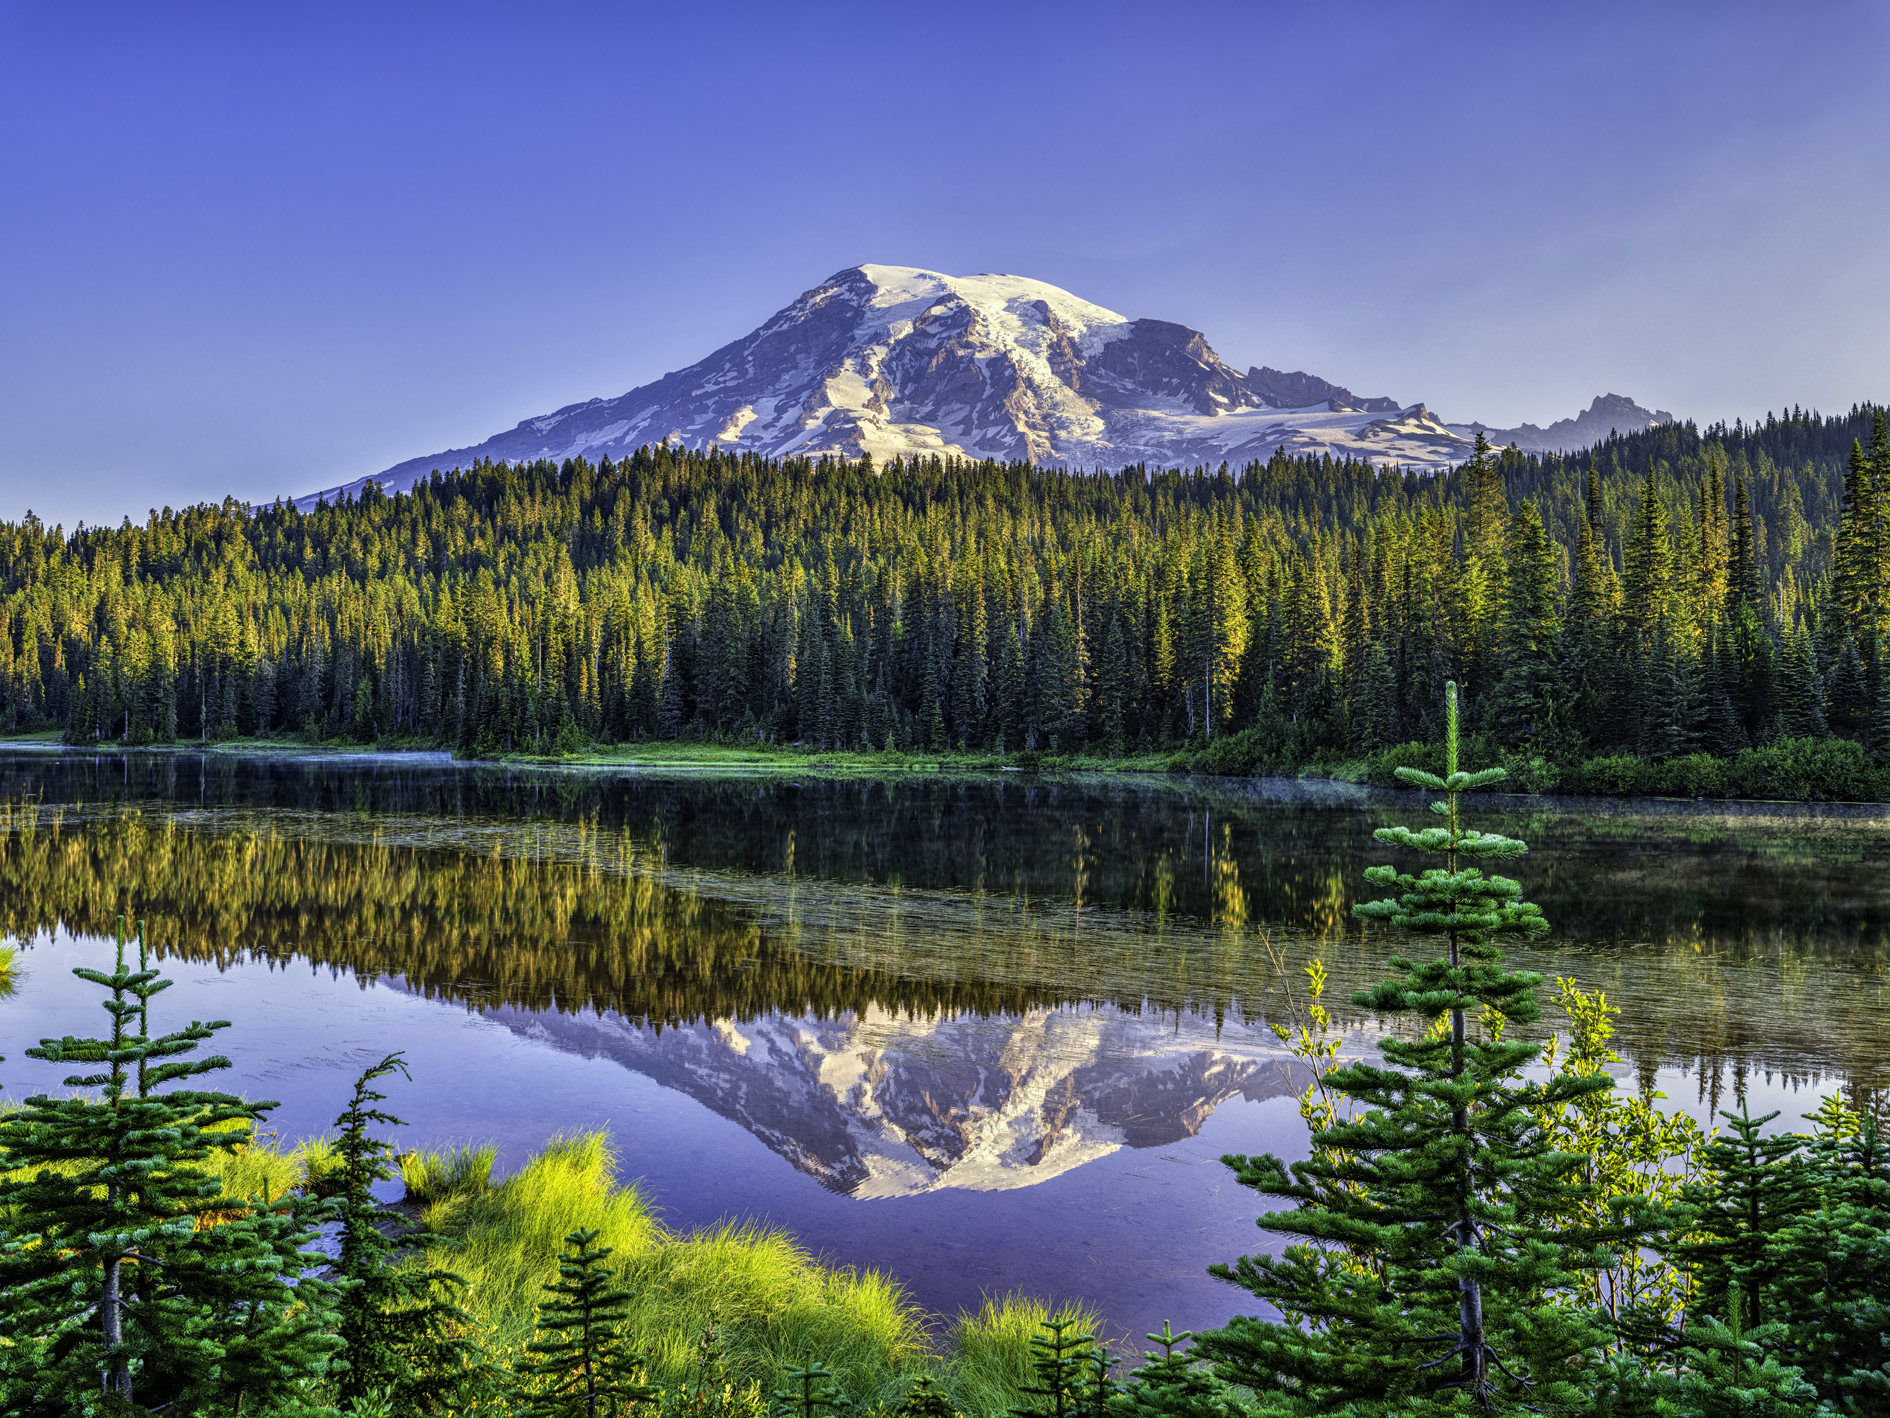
{"x": 1676, "y": 595}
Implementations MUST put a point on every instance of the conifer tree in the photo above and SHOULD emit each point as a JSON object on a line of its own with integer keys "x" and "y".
{"x": 1175, "y": 1385}
{"x": 126, "y": 1274}
{"x": 1069, "y": 1374}
{"x": 1725, "y": 1371}
{"x": 1754, "y": 1193}
{"x": 1527, "y": 691}
{"x": 401, "y": 1329}
{"x": 1430, "y": 1224}
{"x": 581, "y": 1366}
{"x": 811, "y": 1391}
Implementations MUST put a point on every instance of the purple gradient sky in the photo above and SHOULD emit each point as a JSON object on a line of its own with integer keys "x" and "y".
{"x": 255, "y": 250}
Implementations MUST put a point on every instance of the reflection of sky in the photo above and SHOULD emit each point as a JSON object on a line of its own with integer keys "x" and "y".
{"x": 1129, "y": 1228}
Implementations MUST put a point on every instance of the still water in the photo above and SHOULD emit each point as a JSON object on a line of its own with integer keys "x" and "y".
{"x": 987, "y": 1034}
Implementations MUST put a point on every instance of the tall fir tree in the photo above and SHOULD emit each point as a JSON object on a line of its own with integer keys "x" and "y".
{"x": 404, "y": 1333}
{"x": 1429, "y": 1227}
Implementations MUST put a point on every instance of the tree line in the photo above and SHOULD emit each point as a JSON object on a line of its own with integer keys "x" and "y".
{"x": 1670, "y": 592}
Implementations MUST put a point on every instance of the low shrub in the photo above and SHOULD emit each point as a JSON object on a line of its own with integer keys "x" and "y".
{"x": 1233, "y": 755}
{"x": 1815, "y": 770}
{"x": 1698, "y": 775}
{"x": 1614, "y": 773}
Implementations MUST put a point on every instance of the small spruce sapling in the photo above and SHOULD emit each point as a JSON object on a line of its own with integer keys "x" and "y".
{"x": 925, "y": 1399}
{"x": 401, "y": 1329}
{"x": 580, "y": 1365}
{"x": 1429, "y": 1224}
{"x": 1726, "y": 1372}
{"x": 1070, "y": 1372}
{"x": 810, "y": 1391}
{"x": 1174, "y": 1385}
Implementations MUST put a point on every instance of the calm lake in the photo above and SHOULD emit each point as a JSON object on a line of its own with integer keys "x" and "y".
{"x": 985, "y": 1033}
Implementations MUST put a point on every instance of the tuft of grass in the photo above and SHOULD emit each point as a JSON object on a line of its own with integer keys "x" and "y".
{"x": 771, "y": 1305}
{"x": 10, "y": 971}
{"x": 318, "y": 1166}
{"x": 991, "y": 1361}
{"x": 432, "y": 1176}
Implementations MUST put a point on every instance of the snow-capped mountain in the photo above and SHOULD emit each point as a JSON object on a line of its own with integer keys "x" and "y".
{"x": 879, "y": 1105}
{"x": 891, "y": 360}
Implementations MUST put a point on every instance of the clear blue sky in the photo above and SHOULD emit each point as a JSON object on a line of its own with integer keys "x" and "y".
{"x": 256, "y": 249}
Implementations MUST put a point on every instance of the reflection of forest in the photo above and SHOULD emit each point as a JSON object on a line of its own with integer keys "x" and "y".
{"x": 1755, "y": 936}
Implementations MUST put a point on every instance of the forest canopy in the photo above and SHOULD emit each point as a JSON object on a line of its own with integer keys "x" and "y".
{"x": 1667, "y": 592}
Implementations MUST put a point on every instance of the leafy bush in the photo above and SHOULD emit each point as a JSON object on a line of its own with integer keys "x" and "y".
{"x": 1616, "y": 773}
{"x": 1698, "y": 775}
{"x": 1810, "y": 770}
{"x": 1234, "y": 755}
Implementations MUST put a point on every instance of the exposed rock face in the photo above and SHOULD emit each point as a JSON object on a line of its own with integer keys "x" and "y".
{"x": 1299, "y": 390}
{"x": 876, "y": 1106}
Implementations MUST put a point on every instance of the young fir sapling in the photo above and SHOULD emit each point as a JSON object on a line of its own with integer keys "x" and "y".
{"x": 1430, "y": 1226}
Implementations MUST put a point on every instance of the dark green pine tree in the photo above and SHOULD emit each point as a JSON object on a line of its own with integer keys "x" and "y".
{"x": 1112, "y": 686}
{"x": 811, "y": 1391}
{"x": 1069, "y": 1373}
{"x": 1825, "y": 1270}
{"x": 1429, "y": 1225}
{"x": 1801, "y": 689}
{"x": 1723, "y": 1370}
{"x": 1375, "y": 712}
{"x": 925, "y": 1399}
{"x": 1175, "y": 1385}
{"x": 403, "y": 1333}
{"x": 1527, "y": 692}
{"x": 581, "y": 1366}
{"x": 1753, "y": 1192}
{"x": 1012, "y": 726}
{"x": 127, "y": 1276}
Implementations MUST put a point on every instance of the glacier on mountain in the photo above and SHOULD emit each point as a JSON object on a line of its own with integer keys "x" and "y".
{"x": 896, "y": 361}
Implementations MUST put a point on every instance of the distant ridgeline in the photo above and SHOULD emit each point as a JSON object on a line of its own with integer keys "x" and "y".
{"x": 1669, "y": 592}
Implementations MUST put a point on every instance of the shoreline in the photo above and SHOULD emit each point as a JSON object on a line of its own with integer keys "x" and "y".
{"x": 698, "y": 760}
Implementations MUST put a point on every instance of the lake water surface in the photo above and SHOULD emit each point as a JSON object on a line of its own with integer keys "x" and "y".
{"x": 987, "y": 1034}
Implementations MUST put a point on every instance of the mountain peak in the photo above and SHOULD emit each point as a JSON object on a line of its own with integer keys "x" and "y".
{"x": 902, "y": 361}
{"x": 1610, "y": 413}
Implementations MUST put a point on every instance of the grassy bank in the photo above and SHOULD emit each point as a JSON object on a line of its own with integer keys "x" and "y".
{"x": 754, "y": 1293}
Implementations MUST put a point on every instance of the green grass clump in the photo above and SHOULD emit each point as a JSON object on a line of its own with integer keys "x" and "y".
{"x": 771, "y": 1305}
{"x": 991, "y": 1361}
{"x": 10, "y": 971}
{"x": 434, "y": 1176}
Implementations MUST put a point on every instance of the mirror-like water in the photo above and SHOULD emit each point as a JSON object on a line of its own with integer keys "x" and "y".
{"x": 986, "y": 1034}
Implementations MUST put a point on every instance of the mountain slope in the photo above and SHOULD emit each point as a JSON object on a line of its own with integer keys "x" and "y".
{"x": 1610, "y": 413}
{"x": 895, "y": 361}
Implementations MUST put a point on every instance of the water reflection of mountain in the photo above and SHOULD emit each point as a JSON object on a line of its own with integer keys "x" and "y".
{"x": 880, "y": 1105}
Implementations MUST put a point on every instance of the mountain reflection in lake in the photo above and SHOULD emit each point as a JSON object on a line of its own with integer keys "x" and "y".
{"x": 1017, "y": 1017}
